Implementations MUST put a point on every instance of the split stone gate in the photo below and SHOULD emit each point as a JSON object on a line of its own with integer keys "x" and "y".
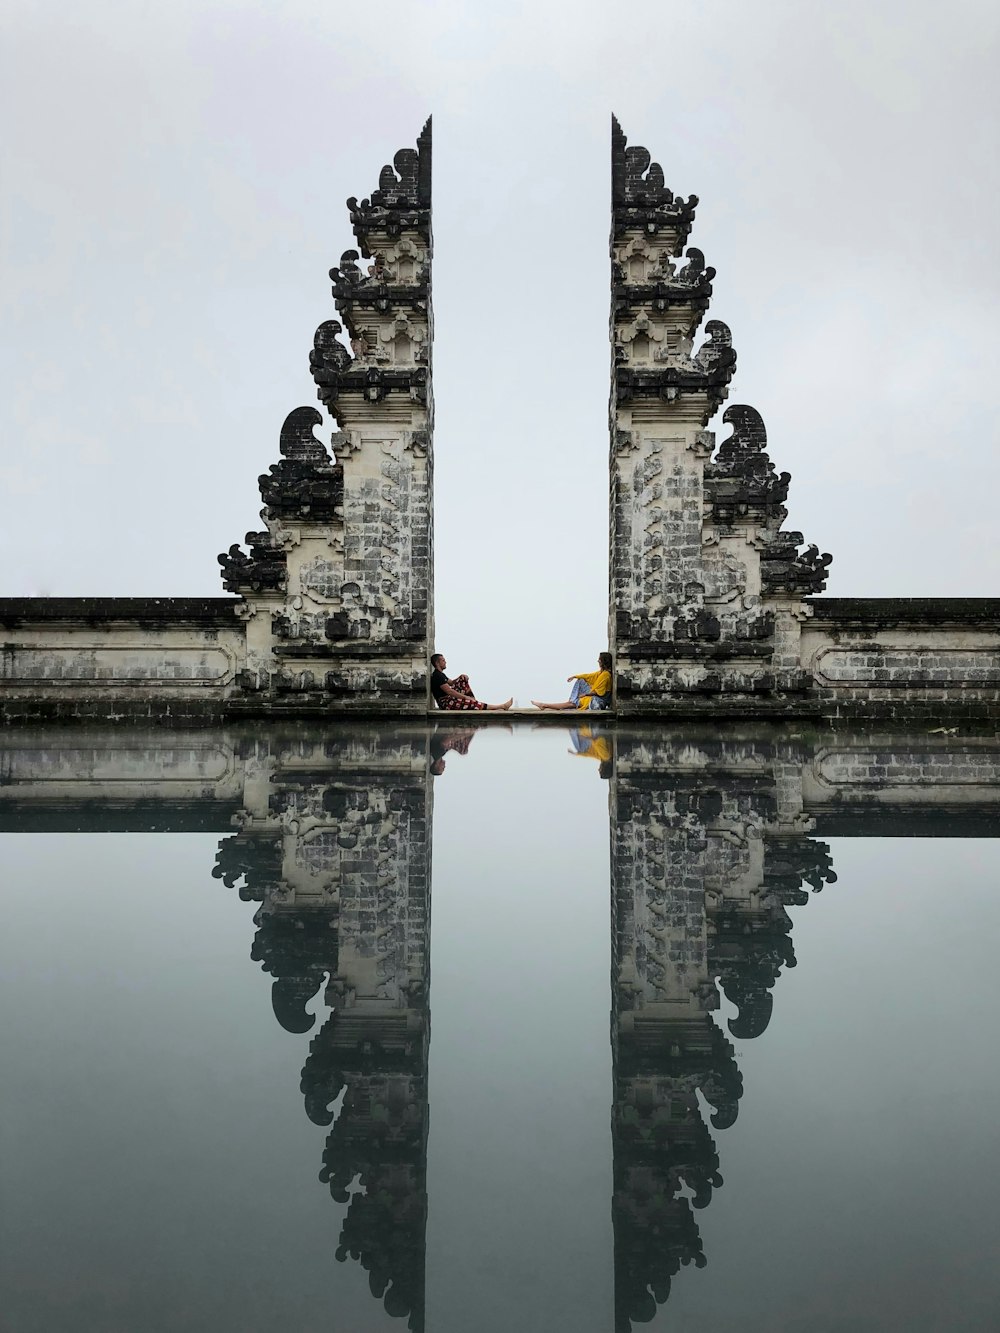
{"x": 715, "y": 603}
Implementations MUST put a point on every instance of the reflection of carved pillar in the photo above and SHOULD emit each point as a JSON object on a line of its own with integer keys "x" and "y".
{"x": 340, "y": 864}
{"x": 704, "y": 861}
{"x": 666, "y": 1047}
{"x": 375, "y": 1044}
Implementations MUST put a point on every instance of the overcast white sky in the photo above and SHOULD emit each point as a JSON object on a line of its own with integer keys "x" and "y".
{"x": 174, "y": 179}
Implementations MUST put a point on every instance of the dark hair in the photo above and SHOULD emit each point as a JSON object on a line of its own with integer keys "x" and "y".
{"x": 435, "y": 658}
{"x": 603, "y": 659}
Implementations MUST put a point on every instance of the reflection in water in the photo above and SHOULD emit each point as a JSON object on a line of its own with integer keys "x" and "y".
{"x": 446, "y": 740}
{"x": 591, "y": 742}
{"x": 712, "y": 841}
{"x": 335, "y": 846}
{"x": 707, "y": 852}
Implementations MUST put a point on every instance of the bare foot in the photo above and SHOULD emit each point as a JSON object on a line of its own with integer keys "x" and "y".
{"x": 508, "y": 703}
{"x": 536, "y": 704}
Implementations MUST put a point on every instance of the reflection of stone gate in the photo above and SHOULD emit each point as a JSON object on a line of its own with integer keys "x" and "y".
{"x": 709, "y": 847}
{"x": 334, "y": 844}
{"x": 712, "y": 841}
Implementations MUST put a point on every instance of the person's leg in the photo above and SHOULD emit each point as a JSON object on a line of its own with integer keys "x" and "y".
{"x": 580, "y": 687}
{"x": 461, "y": 683}
{"x": 468, "y": 701}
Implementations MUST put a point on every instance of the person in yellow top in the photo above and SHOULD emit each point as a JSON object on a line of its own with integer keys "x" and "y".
{"x": 592, "y": 690}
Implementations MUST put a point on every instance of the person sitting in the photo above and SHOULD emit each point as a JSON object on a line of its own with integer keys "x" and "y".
{"x": 457, "y": 693}
{"x": 592, "y": 690}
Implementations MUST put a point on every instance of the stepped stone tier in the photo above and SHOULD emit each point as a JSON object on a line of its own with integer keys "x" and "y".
{"x": 715, "y": 604}
{"x": 717, "y": 840}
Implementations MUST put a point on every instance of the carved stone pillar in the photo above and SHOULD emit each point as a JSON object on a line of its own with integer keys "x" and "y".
{"x": 706, "y": 590}
{"x": 338, "y": 590}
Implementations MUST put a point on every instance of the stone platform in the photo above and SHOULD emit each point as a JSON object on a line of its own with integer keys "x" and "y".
{"x": 572, "y": 716}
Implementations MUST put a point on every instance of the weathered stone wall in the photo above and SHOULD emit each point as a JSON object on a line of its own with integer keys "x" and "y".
{"x": 164, "y": 659}
{"x": 905, "y": 658}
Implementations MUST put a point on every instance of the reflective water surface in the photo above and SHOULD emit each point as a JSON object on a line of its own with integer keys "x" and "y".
{"x": 222, "y": 1107}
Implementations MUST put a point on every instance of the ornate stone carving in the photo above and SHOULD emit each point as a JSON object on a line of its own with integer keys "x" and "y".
{"x": 640, "y": 198}
{"x": 708, "y": 372}
{"x": 349, "y": 540}
{"x": 403, "y": 198}
{"x": 306, "y": 485}
{"x": 260, "y": 570}
{"x": 697, "y": 551}
{"x": 329, "y": 359}
{"x": 787, "y": 570}
{"x": 741, "y": 481}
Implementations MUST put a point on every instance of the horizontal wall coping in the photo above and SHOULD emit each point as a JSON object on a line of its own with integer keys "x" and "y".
{"x": 146, "y": 612}
{"x": 100, "y": 815}
{"x": 975, "y": 612}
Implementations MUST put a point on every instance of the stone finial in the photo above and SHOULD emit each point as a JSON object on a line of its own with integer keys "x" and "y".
{"x": 717, "y": 354}
{"x": 786, "y": 570}
{"x": 748, "y": 440}
{"x": 741, "y": 481}
{"x": 306, "y": 486}
{"x": 403, "y": 197}
{"x": 329, "y": 360}
{"x": 297, "y": 439}
{"x": 262, "y": 570}
{"x": 639, "y": 196}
